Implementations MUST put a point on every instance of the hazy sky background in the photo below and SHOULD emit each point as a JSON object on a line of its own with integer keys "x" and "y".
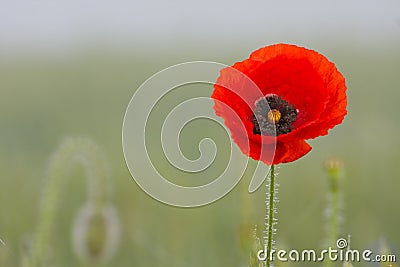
{"x": 48, "y": 25}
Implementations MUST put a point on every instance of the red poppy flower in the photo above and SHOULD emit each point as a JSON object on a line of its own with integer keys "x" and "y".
{"x": 300, "y": 95}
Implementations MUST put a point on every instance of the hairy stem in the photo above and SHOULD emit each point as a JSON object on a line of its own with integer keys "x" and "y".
{"x": 270, "y": 201}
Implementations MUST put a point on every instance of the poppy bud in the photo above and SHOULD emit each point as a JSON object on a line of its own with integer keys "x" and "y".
{"x": 95, "y": 233}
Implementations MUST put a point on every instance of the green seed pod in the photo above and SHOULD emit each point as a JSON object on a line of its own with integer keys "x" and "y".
{"x": 95, "y": 234}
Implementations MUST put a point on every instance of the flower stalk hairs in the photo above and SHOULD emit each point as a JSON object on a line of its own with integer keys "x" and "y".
{"x": 300, "y": 95}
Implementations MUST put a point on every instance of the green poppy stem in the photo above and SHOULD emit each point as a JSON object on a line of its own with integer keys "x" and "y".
{"x": 270, "y": 201}
{"x": 333, "y": 170}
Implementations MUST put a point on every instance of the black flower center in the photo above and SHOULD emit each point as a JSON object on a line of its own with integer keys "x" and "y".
{"x": 273, "y": 116}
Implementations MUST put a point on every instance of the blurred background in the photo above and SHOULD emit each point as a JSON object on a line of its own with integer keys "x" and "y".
{"x": 69, "y": 68}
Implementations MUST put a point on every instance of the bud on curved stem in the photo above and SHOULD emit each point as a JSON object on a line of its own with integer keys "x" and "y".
{"x": 71, "y": 151}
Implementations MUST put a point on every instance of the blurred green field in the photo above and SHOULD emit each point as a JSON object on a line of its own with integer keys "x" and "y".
{"x": 44, "y": 100}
